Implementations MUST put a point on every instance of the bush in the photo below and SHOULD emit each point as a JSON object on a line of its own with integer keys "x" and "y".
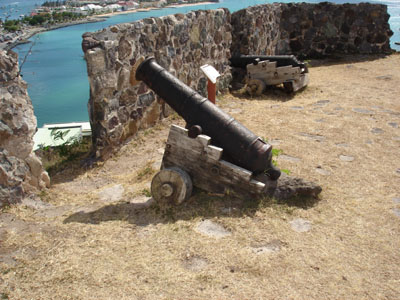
{"x": 12, "y": 25}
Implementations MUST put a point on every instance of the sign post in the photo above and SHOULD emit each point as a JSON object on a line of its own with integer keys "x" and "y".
{"x": 212, "y": 75}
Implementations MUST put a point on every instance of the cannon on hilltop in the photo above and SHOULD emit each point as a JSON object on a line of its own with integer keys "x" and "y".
{"x": 215, "y": 152}
{"x": 263, "y": 71}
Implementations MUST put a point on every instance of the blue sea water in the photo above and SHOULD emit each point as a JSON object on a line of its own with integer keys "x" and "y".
{"x": 12, "y": 9}
{"x": 56, "y": 71}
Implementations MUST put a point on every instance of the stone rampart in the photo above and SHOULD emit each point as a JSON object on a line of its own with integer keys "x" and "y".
{"x": 256, "y": 30}
{"x": 312, "y": 30}
{"x": 180, "y": 43}
{"x": 21, "y": 172}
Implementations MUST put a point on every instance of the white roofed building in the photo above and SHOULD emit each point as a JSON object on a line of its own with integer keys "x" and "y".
{"x": 113, "y": 7}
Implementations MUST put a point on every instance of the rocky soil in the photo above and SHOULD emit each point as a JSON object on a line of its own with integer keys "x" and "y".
{"x": 96, "y": 234}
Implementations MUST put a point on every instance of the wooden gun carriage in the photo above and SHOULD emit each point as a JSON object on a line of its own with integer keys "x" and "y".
{"x": 264, "y": 70}
{"x": 215, "y": 153}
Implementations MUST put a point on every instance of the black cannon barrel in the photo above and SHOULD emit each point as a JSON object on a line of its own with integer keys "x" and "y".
{"x": 241, "y": 61}
{"x": 243, "y": 147}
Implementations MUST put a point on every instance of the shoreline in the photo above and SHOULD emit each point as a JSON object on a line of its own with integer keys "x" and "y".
{"x": 107, "y": 15}
{"x": 25, "y": 36}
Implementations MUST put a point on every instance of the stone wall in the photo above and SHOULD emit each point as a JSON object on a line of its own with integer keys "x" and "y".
{"x": 180, "y": 43}
{"x": 255, "y": 30}
{"x": 312, "y": 30}
{"x": 21, "y": 172}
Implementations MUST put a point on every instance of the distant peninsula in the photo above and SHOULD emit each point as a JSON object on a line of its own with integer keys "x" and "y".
{"x": 56, "y": 14}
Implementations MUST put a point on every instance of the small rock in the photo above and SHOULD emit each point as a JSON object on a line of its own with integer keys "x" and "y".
{"x": 297, "y": 107}
{"x": 321, "y": 103}
{"x": 384, "y": 77}
{"x": 301, "y": 225}
{"x": 346, "y": 158}
{"x": 393, "y": 124}
{"x": 319, "y": 120}
{"x": 321, "y": 171}
{"x": 396, "y": 138}
{"x": 274, "y": 142}
{"x": 160, "y": 150}
{"x": 342, "y": 145}
{"x": 377, "y": 130}
{"x": 46, "y": 179}
{"x": 396, "y": 200}
{"x": 315, "y": 137}
{"x": 396, "y": 211}
{"x": 338, "y": 108}
{"x": 112, "y": 194}
{"x": 211, "y": 229}
{"x": 362, "y": 111}
{"x": 35, "y": 165}
{"x": 275, "y": 106}
{"x": 398, "y": 171}
{"x": 289, "y": 158}
{"x": 270, "y": 247}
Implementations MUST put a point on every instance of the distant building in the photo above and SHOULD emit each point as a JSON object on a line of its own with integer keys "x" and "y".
{"x": 113, "y": 7}
{"x": 52, "y": 135}
{"x": 128, "y": 5}
{"x": 86, "y": 9}
{"x": 94, "y": 7}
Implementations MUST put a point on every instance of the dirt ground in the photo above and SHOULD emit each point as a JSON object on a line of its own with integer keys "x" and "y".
{"x": 96, "y": 234}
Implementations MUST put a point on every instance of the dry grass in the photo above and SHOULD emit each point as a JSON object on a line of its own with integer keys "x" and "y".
{"x": 85, "y": 248}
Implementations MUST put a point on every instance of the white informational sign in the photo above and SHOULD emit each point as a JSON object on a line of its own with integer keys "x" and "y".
{"x": 210, "y": 72}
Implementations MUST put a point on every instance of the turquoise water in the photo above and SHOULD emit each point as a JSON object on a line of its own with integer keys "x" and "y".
{"x": 12, "y": 9}
{"x": 56, "y": 71}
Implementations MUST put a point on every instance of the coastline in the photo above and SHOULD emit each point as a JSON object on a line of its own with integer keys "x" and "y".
{"x": 28, "y": 33}
{"x": 151, "y": 8}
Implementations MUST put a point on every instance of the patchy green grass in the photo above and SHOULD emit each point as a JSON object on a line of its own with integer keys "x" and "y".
{"x": 55, "y": 159}
{"x": 145, "y": 172}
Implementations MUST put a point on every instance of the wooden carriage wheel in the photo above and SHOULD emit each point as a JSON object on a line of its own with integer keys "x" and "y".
{"x": 171, "y": 186}
{"x": 255, "y": 87}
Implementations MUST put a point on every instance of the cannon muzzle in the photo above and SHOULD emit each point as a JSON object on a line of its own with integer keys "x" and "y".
{"x": 242, "y": 146}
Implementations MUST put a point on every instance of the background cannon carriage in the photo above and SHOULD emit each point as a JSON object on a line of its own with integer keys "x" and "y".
{"x": 263, "y": 71}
